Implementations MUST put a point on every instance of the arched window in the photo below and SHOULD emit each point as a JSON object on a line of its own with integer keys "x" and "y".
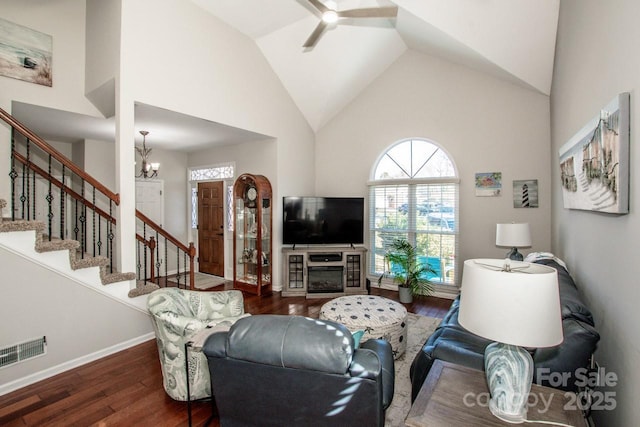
{"x": 414, "y": 195}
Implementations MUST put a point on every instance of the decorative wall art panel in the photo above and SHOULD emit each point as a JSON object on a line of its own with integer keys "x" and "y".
{"x": 594, "y": 163}
{"x": 525, "y": 193}
{"x": 25, "y": 54}
{"x": 488, "y": 184}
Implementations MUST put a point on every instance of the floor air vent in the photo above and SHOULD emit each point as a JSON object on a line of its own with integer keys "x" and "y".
{"x": 22, "y": 351}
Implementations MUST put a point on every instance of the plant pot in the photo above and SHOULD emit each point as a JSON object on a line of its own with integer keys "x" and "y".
{"x": 405, "y": 295}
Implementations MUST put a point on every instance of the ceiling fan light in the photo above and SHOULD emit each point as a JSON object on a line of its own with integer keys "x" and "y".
{"x": 330, "y": 16}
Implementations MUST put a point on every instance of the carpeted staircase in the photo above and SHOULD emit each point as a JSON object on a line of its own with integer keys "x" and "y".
{"x": 76, "y": 260}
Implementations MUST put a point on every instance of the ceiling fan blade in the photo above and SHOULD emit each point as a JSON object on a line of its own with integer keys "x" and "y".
{"x": 370, "y": 12}
{"x": 313, "y": 38}
{"x": 319, "y": 5}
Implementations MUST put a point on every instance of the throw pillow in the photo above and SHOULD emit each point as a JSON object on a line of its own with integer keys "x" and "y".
{"x": 357, "y": 336}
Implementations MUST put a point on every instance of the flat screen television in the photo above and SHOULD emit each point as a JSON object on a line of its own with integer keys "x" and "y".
{"x": 323, "y": 220}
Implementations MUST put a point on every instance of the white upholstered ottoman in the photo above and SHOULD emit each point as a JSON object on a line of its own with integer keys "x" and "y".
{"x": 378, "y": 317}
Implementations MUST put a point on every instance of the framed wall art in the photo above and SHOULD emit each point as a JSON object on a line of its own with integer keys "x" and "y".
{"x": 488, "y": 184}
{"x": 525, "y": 193}
{"x": 25, "y": 54}
{"x": 594, "y": 163}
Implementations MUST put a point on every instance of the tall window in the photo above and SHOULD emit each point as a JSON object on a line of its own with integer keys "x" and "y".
{"x": 414, "y": 195}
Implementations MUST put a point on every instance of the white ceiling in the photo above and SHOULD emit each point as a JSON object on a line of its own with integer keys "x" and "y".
{"x": 512, "y": 40}
{"x": 167, "y": 129}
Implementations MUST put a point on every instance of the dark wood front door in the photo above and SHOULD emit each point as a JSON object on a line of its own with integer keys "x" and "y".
{"x": 211, "y": 228}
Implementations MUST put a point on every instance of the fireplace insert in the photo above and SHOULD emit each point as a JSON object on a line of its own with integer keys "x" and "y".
{"x": 326, "y": 278}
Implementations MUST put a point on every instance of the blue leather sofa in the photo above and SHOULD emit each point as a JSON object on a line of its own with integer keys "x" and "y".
{"x": 570, "y": 360}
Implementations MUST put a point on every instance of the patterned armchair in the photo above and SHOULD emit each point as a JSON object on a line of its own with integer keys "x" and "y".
{"x": 177, "y": 315}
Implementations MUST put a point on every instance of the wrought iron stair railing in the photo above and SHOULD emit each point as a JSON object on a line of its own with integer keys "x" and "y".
{"x": 162, "y": 259}
{"x": 46, "y": 186}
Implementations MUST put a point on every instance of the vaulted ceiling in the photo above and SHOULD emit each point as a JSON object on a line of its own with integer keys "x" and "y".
{"x": 510, "y": 39}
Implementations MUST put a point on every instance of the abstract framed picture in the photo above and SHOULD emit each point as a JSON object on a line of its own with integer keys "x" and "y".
{"x": 488, "y": 184}
{"x": 594, "y": 163}
{"x": 25, "y": 54}
{"x": 525, "y": 193}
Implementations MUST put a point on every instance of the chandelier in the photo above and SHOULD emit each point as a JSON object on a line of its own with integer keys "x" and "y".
{"x": 148, "y": 170}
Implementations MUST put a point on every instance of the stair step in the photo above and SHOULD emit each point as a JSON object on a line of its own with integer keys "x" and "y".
{"x": 117, "y": 277}
{"x": 76, "y": 260}
{"x": 6, "y": 225}
{"x": 88, "y": 261}
{"x": 56, "y": 245}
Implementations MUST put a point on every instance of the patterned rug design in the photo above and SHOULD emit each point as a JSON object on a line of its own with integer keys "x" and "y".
{"x": 420, "y": 327}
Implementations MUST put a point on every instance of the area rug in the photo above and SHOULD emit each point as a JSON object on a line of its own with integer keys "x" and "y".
{"x": 203, "y": 281}
{"x": 420, "y": 327}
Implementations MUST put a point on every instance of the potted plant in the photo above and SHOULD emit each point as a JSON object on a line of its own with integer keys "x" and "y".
{"x": 409, "y": 274}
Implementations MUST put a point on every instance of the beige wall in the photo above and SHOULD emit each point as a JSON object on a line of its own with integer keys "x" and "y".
{"x": 486, "y": 125}
{"x": 80, "y": 324}
{"x": 597, "y": 58}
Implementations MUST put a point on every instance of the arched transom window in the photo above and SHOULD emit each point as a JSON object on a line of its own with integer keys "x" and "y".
{"x": 414, "y": 195}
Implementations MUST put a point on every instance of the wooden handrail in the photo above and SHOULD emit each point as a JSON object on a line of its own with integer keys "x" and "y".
{"x": 63, "y": 187}
{"x": 58, "y": 156}
{"x": 114, "y": 197}
{"x": 190, "y": 250}
{"x": 151, "y": 244}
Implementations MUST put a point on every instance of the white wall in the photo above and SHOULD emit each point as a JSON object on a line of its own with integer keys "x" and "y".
{"x": 486, "y": 125}
{"x": 173, "y": 171}
{"x": 204, "y": 68}
{"x": 597, "y": 58}
{"x": 76, "y": 320}
{"x": 187, "y": 66}
{"x": 99, "y": 158}
{"x": 64, "y": 20}
{"x": 102, "y": 46}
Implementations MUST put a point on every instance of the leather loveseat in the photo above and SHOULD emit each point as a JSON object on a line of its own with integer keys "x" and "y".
{"x": 452, "y": 343}
{"x": 276, "y": 370}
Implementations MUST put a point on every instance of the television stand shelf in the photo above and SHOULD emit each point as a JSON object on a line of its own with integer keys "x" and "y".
{"x": 324, "y": 271}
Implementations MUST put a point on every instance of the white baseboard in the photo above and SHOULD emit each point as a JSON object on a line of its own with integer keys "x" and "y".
{"x": 71, "y": 364}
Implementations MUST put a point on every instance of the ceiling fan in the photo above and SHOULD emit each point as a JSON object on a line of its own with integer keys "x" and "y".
{"x": 331, "y": 16}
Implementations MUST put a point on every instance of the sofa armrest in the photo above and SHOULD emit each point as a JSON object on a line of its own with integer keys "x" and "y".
{"x": 451, "y": 344}
{"x": 216, "y": 345}
{"x": 176, "y": 326}
{"x": 226, "y": 320}
{"x": 580, "y": 342}
{"x": 384, "y": 353}
{"x": 220, "y": 305}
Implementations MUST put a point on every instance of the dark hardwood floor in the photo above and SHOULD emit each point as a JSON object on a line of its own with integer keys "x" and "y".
{"x": 125, "y": 389}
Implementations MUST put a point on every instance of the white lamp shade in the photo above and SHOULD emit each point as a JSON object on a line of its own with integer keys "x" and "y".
{"x": 513, "y": 235}
{"x": 520, "y": 307}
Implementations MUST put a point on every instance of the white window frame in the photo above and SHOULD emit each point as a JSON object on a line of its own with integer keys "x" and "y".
{"x": 399, "y": 200}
